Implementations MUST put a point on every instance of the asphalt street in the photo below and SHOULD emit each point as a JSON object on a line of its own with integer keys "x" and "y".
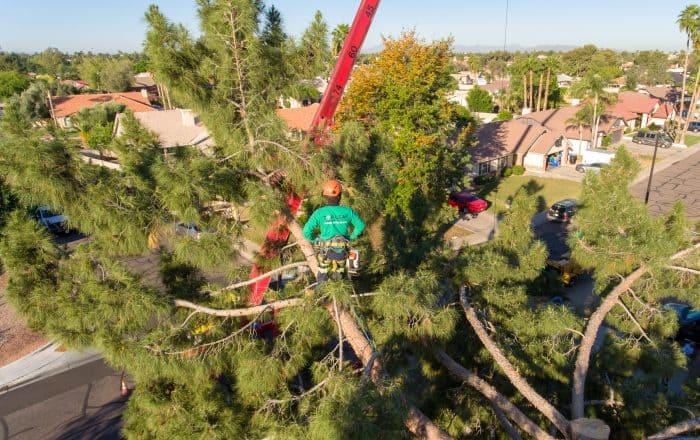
{"x": 82, "y": 403}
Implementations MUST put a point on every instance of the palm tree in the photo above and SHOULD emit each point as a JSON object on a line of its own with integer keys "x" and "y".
{"x": 552, "y": 63}
{"x": 591, "y": 89}
{"x": 687, "y": 23}
{"x": 580, "y": 120}
{"x": 338, "y": 37}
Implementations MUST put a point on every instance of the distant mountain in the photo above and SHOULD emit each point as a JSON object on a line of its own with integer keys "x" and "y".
{"x": 482, "y": 48}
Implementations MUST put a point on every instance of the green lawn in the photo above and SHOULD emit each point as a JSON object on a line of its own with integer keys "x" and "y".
{"x": 547, "y": 191}
{"x": 691, "y": 140}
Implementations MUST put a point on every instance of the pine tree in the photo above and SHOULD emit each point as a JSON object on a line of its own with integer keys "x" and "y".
{"x": 314, "y": 49}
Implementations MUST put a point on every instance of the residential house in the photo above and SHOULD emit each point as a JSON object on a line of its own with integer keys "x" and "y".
{"x": 539, "y": 140}
{"x": 77, "y": 84}
{"x": 497, "y": 87}
{"x": 63, "y": 107}
{"x": 174, "y": 128}
{"x": 145, "y": 81}
{"x": 298, "y": 119}
{"x": 637, "y": 109}
{"x": 464, "y": 80}
{"x": 564, "y": 80}
{"x": 560, "y": 120}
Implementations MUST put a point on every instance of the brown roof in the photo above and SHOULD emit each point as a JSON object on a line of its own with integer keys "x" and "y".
{"x": 498, "y": 139}
{"x": 298, "y": 118}
{"x": 663, "y": 93}
{"x": 545, "y": 142}
{"x": 663, "y": 112}
{"x": 70, "y": 104}
{"x": 558, "y": 120}
{"x": 177, "y": 127}
{"x": 633, "y": 102}
{"x": 496, "y": 86}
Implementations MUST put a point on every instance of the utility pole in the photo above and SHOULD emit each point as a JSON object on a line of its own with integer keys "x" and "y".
{"x": 651, "y": 171}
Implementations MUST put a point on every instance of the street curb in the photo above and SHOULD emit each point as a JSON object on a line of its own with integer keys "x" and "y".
{"x": 62, "y": 361}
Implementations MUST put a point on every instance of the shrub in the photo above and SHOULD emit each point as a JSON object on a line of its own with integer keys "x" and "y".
{"x": 504, "y": 115}
{"x": 607, "y": 140}
{"x": 518, "y": 170}
{"x": 506, "y": 172}
{"x": 483, "y": 180}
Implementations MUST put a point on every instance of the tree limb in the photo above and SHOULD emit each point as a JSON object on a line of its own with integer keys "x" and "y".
{"x": 237, "y": 313}
{"x": 539, "y": 402}
{"x": 631, "y": 316}
{"x": 266, "y": 275}
{"x": 684, "y": 252}
{"x": 684, "y": 269}
{"x": 497, "y": 399}
{"x": 505, "y": 423}
{"x": 678, "y": 428}
{"x": 583, "y": 358}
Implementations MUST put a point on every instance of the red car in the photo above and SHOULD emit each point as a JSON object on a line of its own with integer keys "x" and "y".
{"x": 467, "y": 202}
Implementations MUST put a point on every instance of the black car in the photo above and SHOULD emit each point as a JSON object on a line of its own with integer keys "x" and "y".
{"x": 651, "y": 137}
{"x": 694, "y": 126}
{"x": 562, "y": 211}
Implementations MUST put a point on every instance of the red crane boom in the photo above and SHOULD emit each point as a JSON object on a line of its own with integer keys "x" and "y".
{"x": 278, "y": 232}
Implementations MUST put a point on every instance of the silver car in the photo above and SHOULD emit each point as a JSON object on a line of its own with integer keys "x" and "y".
{"x": 583, "y": 167}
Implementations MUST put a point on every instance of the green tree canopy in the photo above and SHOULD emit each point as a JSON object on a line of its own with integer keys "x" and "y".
{"x": 479, "y": 100}
{"x": 12, "y": 83}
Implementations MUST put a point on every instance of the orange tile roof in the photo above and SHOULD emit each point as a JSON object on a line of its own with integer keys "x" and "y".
{"x": 71, "y": 104}
{"x": 663, "y": 112}
{"x": 558, "y": 120}
{"x": 633, "y": 102}
{"x": 298, "y": 118}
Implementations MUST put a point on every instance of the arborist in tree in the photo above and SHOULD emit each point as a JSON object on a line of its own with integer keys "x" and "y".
{"x": 333, "y": 220}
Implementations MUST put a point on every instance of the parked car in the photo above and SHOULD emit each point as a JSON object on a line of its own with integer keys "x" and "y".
{"x": 650, "y": 138}
{"x": 688, "y": 321}
{"x": 50, "y": 220}
{"x": 467, "y": 203}
{"x": 583, "y": 167}
{"x": 694, "y": 126}
{"x": 562, "y": 211}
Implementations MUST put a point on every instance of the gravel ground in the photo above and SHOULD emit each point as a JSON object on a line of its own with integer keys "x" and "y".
{"x": 16, "y": 340}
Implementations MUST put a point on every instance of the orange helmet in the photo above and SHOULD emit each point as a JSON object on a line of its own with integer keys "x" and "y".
{"x": 332, "y": 188}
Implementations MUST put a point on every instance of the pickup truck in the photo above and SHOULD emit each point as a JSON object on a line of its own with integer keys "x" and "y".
{"x": 51, "y": 221}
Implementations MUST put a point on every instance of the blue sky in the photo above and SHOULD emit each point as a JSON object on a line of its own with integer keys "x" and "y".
{"x": 70, "y": 25}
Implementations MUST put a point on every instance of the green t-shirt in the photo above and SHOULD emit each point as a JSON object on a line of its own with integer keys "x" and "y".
{"x": 334, "y": 220}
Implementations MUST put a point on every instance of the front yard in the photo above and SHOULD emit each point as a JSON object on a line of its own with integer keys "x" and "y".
{"x": 546, "y": 190}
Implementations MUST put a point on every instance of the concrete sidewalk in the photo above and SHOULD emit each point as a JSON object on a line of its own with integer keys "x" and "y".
{"x": 42, "y": 363}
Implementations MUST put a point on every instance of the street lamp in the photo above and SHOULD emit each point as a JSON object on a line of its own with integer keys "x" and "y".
{"x": 651, "y": 171}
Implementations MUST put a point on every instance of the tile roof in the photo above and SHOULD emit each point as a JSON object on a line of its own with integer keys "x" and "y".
{"x": 70, "y": 104}
{"x": 505, "y": 137}
{"x": 177, "y": 127}
{"x": 558, "y": 120}
{"x": 298, "y": 118}
{"x": 633, "y": 102}
{"x": 496, "y": 86}
{"x": 664, "y": 111}
{"x": 545, "y": 142}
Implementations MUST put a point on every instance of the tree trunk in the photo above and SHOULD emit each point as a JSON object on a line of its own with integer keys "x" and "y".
{"x": 539, "y": 92}
{"x": 584, "y": 352}
{"x": 685, "y": 73}
{"x": 678, "y": 428}
{"x": 546, "y": 87}
{"x": 594, "y": 127}
{"x": 589, "y": 429}
{"x": 691, "y": 106}
{"x": 505, "y": 423}
{"x": 416, "y": 422}
{"x": 539, "y": 402}
{"x": 496, "y": 398}
{"x": 580, "y": 141}
{"x": 525, "y": 91}
{"x": 532, "y": 90}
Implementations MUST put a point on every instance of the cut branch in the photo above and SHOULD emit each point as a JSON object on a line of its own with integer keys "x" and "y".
{"x": 237, "y": 313}
{"x": 678, "y": 428}
{"x": 583, "y": 358}
{"x": 631, "y": 316}
{"x": 685, "y": 252}
{"x": 505, "y": 423}
{"x": 493, "y": 396}
{"x": 684, "y": 269}
{"x": 266, "y": 275}
{"x": 539, "y": 402}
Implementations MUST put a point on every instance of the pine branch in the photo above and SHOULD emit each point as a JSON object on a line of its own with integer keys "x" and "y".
{"x": 684, "y": 269}
{"x": 304, "y": 160}
{"x": 539, "y": 402}
{"x": 265, "y": 275}
{"x": 505, "y": 423}
{"x": 584, "y": 354}
{"x": 631, "y": 316}
{"x": 685, "y": 252}
{"x": 497, "y": 399}
{"x": 237, "y": 313}
{"x": 678, "y": 428}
